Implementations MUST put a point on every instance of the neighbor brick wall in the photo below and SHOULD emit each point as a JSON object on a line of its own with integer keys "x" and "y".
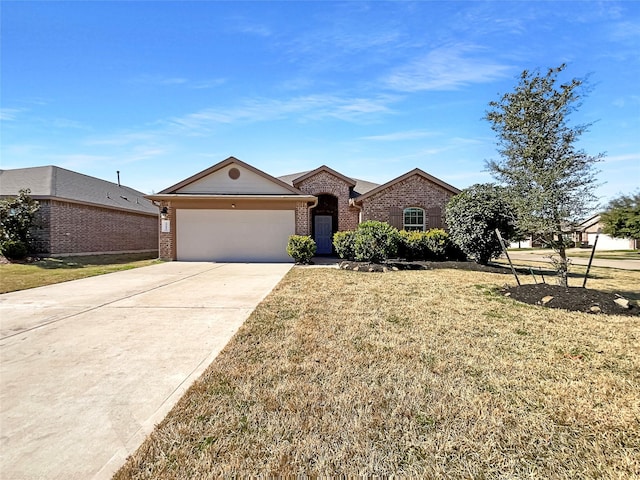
{"x": 76, "y": 228}
{"x": 415, "y": 191}
{"x": 326, "y": 183}
{"x": 41, "y": 233}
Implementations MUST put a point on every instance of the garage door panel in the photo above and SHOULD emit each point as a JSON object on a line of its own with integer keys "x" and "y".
{"x": 605, "y": 242}
{"x": 234, "y": 235}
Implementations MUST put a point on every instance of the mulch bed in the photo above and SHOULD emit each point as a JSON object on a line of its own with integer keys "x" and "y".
{"x": 575, "y": 299}
{"x": 402, "y": 265}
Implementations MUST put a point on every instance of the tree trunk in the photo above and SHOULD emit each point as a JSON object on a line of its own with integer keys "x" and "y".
{"x": 563, "y": 266}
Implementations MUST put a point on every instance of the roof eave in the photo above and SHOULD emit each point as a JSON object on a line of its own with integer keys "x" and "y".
{"x": 158, "y": 197}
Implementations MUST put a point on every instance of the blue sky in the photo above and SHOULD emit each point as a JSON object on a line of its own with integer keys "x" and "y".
{"x": 162, "y": 90}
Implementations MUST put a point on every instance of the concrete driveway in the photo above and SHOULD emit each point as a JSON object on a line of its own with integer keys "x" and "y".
{"x": 88, "y": 367}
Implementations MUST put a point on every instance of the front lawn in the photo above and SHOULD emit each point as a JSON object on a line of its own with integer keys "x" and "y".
{"x": 46, "y": 271}
{"x": 415, "y": 373}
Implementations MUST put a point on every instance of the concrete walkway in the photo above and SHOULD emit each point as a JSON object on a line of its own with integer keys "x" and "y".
{"x": 540, "y": 256}
{"x": 88, "y": 367}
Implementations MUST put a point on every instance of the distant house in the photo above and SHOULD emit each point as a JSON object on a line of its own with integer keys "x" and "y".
{"x": 234, "y": 212}
{"x": 80, "y": 214}
{"x": 585, "y": 235}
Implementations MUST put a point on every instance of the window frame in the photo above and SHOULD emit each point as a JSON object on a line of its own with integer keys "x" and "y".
{"x": 414, "y": 226}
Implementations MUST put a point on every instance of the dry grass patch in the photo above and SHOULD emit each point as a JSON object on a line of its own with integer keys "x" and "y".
{"x": 47, "y": 271}
{"x": 412, "y": 373}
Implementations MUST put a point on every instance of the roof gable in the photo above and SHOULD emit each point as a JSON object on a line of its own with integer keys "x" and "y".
{"x": 231, "y": 177}
{"x": 589, "y": 222}
{"x": 414, "y": 172}
{"x": 323, "y": 168}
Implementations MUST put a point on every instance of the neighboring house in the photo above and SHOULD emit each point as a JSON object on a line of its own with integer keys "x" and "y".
{"x": 585, "y": 235}
{"x": 84, "y": 215}
{"x": 235, "y": 212}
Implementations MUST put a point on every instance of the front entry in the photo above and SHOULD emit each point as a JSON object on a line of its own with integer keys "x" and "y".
{"x": 323, "y": 227}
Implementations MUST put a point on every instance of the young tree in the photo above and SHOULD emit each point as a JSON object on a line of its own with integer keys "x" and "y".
{"x": 550, "y": 181}
{"x": 473, "y": 216}
{"x": 17, "y": 216}
{"x": 622, "y": 217}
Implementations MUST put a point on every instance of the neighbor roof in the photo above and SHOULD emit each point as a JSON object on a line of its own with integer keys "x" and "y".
{"x": 57, "y": 183}
{"x": 589, "y": 222}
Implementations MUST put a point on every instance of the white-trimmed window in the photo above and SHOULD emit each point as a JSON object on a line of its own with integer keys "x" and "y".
{"x": 413, "y": 219}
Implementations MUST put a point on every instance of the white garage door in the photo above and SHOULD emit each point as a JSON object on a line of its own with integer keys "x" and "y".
{"x": 605, "y": 242}
{"x": 234, "y": 235}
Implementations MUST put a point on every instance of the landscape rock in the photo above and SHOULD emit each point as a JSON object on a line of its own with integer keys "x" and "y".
{"x": 546, "y": 299}
{"x": 622, "y": 302}
{"x": 595, "y": 309}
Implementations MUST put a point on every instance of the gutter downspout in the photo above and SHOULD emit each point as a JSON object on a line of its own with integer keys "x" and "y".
{"x": 352, "y": 203}
{"x": 309, "y": 216}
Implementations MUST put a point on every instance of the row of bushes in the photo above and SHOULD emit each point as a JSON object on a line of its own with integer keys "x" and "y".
{"x": 376, "y": 242}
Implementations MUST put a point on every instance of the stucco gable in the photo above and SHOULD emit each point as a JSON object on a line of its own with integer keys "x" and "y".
{"x": 231, "y": 177}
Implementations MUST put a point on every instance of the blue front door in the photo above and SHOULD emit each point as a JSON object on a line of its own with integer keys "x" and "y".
{"x": 323, "y": 226}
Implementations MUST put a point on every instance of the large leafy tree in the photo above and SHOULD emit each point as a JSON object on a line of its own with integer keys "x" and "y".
{"x": 621, "y": 218}
{"x": 550, "y": 181}
{"x": 473, "y": 216}
{"x": 17, "y": 217}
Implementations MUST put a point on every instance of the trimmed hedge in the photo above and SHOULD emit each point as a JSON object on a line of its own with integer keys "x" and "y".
{"x": 375, "y": 242}
{"x": 344, "y": 243}
{"x": 378, "y": 241}
{"x": 301, "y": 248}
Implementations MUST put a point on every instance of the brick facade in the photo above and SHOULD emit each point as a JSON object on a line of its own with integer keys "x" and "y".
{"x": 167, "y": 240}
{"x": 64, "y": 228}
{"x": 345, "y": 200}
{"x": 324, "y": 183}
{"x": 415, "y": 191}
{"x": 303, "y": 219}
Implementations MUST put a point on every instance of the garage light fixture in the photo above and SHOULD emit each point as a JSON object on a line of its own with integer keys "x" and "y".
{"x": 233, "y": 205}
{"x": 164, "y": 213}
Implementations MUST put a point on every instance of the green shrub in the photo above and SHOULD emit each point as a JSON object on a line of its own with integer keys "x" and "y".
{"x": 344, "y": 243}
{"x": 412, "y": 245}
{"x": 436, "y": 241}
{"x": 375, "y": 242}
{"x": 301, "y": 248}
{"x": 14, "y": 249}
{"x": 474, "y": 214}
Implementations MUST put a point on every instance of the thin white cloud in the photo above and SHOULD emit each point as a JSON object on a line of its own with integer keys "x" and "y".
{"x": 622, "y": 102}
{"x": 446, "y": 68}
{"x": 247, "y": 26}
{"x": 67, "y": 123}
{"x": 300, "y": 108}
{"x": 400, "y": 136}
{"x": 630, "y": 157}
{"x": 9, "y": 114}
{"x": 158, "y": 80}
{"x": 78, "y": 160}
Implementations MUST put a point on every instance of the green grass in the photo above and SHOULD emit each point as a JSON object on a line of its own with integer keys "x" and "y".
{"x": 608, "y": 254}
{"x": 47, "y": 271}
{"x": 414, "y": 374}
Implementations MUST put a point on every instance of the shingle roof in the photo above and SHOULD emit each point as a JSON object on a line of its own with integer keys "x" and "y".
{"x": 53, "y": 182}
{"x": 361, "y": 187}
